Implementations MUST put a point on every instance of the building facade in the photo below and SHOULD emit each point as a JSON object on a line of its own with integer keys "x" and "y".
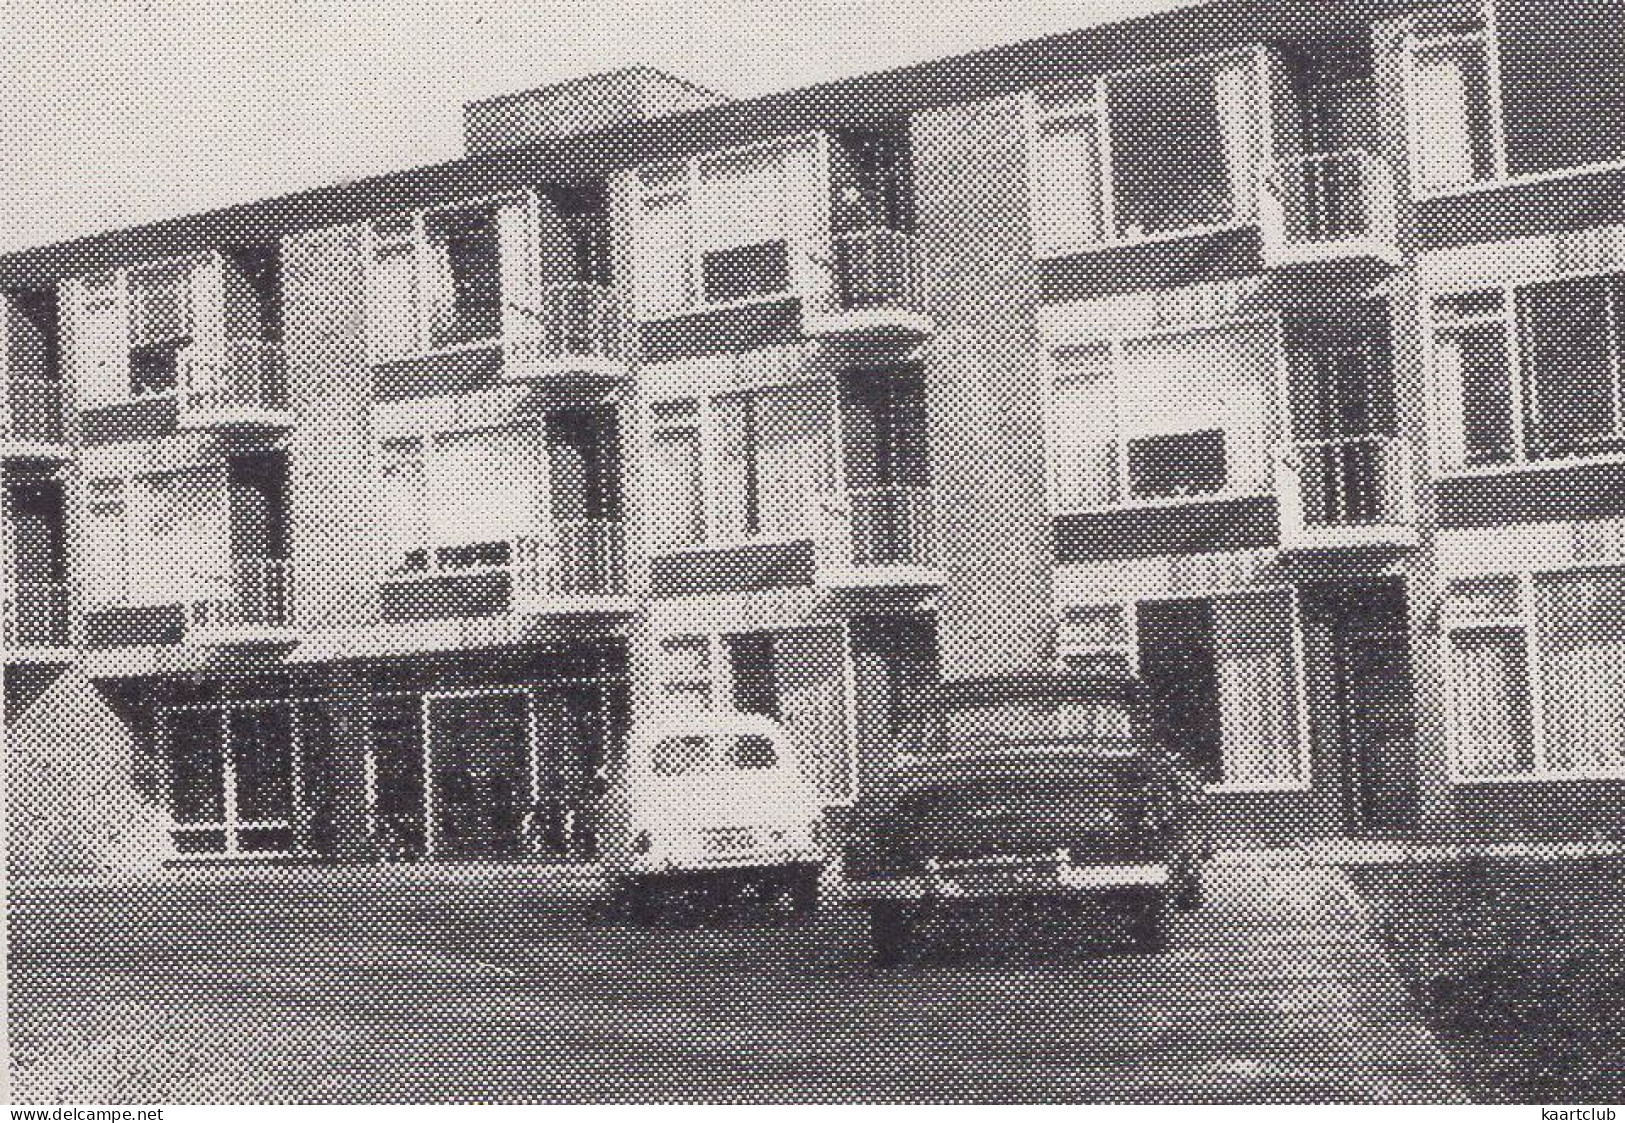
{"x": 1272, "y": 354}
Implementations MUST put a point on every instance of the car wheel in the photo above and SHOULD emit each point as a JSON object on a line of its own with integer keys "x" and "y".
{"x": 892, "y": 934}
{"x": 1148, "y": 922}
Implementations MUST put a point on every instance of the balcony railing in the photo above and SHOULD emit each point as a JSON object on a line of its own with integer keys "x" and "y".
{"x": 254, "y": 600}
{"x": 246, "y": 383}
{"x": 1327, "y": 208}
{"x": 877, "y": 286}
{"x": 35, "y": 614}
{"x": 874, "y": 529}
{"x": 33, "y": 412}
{"x": 568, "y": 329}
{"x": 581, "y": 558}
{"x": 1347, "y": 491}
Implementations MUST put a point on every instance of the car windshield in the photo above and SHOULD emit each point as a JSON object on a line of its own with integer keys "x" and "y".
{"x": 1094, "y": 725}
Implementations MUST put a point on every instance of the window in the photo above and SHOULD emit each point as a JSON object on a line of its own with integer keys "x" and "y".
{"x": 463, "y": 500}
{"x": 741, "y": 466}
{"x": 1148, "y": 152}
{"x": 232, "y": 787}
{"x": 1453, "y": 125}
{"x": 447, "y": 279}
{"x": 157, "y": 539}
{"x": 160, "y": 324}
{"x": 686, "y": 676}
{"x": 676, "y": 475}
{"x": 1096, "y": 640}
{"x": 729, "y": 226}
{"x": 1531, "y": 373}
{"x": 1536, "y": 667}
{"x": 1176, "y": 415}
{"x": 1224, "y": 672}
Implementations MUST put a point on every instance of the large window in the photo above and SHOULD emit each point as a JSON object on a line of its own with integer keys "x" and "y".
{"x": 1148, "y": 152}
{"x": 156, "y": 539}
{"x": 160, "y": 309}
{"x": 729, "y": 226}
{"x": 795, "y": 676}
{"x": 232, "y": 780}
{"x": 740, "y": 466}
{"x": 1225, "y": 673}
{"x": 1531, "y": 373}
{"x": 1451, "y": 113}
{"x": 447, "y": 279}
{"x": 465, "y": 500}
{"x": 1178, "y": 415}
{"x": 1536, "y": 668}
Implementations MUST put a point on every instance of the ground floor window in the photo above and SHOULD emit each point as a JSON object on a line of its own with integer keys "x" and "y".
{"x": 1226, "y": 674}
{"x": 1536, "y": 670}
{"x": 796, "y": 676}
{"x": 233, "y": 787}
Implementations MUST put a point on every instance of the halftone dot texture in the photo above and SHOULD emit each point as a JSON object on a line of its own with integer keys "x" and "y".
{"x": 353, "y": 538}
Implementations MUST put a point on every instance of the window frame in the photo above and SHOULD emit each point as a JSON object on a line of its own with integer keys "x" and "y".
{"x": 706, "y": 421}
{"x": 230, "y": 825}
{"x": 1115, "y": 344}
{"x": 689, "y": 186}
{"x": 1447, "y": 415}
{"x": 400, "y": 451}
{"x": 416, "y": 239}
{"x": 1527, "y": 624}
{"x": 1095, "y": 104}
{"x": 1411, "y": 41}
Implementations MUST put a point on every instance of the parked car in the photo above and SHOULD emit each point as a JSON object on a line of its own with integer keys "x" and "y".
{"x": 713, "y": 810}
{"x": 1021, "y": 803}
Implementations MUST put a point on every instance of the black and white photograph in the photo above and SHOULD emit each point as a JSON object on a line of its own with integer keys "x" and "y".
{"x": 812, "y": 553}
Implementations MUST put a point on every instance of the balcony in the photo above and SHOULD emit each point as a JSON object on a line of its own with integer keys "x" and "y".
{"x": 242, "y": 387}
{"x": 32, "y": 425}
{"x": 36, "y": 622}
{"x": 1330, "y": 213}
{"x": 253, "y": 605}
{"x": 568, "y": 333}
{"x": 580, "y": 568}
{"x": 878, "y": 539}
{"x": 1349, "y": 493}
{"x": 576, "y": 568}
{"x": 877, "y": 292}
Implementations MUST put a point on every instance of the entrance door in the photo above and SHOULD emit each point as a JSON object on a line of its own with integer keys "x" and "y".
{"x": 481, "y": 773}
{"x": 572, "y": 738}
{"x": 1371, "y": 653}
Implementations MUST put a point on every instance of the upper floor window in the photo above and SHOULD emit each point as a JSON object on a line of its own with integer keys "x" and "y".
{"x": 1148, "y": 152}
{"x": 1177, "y": 415}
{"x": 446, "y": 279}
{"x": 1531, "y": 373}
{"x": 156, "y": 539}
{"x": 740, "y": 466}
{"x": 160, "y": 326}
{"x": 729, "y": 227}
{"x": 1451, "y": 109}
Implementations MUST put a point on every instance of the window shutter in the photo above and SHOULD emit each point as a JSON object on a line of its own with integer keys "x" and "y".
{"x": 392, "y": 299}
{"x": 206, "y": 294}
{"x": 98, "y": 354}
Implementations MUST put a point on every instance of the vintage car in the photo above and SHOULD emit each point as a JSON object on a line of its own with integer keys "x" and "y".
{"x": 711, "y": 810}
{"x": 1021, "y": 804}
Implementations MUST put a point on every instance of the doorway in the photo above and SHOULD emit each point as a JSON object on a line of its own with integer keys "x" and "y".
{"x": 1369, "y": 651}
{"x": 481, "y": 772}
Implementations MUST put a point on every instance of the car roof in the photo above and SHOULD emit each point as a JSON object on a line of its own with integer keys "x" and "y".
{"x": 1038, "y": 688}
{"x": 724, "y": 723}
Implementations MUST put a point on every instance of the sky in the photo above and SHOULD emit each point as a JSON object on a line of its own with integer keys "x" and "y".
{"x": 118, "y": 112}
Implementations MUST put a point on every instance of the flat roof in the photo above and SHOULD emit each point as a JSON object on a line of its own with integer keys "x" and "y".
{"x": 866, "y": 99}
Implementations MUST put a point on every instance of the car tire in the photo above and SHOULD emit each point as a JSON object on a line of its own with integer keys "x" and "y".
{"x": 892, "y": 932}
{"x": 1148, "y": 918}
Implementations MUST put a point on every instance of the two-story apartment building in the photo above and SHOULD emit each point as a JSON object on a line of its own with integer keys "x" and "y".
{"x": 1268, "y": 352}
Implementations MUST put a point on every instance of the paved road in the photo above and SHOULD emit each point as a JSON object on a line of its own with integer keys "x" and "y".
{"x": 336, "y": 987}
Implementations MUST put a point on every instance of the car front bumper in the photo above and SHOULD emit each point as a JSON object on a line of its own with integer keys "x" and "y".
{"x": 1012, "y": 879}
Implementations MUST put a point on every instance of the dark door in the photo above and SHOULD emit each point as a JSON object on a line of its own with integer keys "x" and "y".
{"x": 572, "y": 737}
{"x": 1180, "y": 668}
{"x": 480, "y": 767}
{"x": 1375, "y": 707}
